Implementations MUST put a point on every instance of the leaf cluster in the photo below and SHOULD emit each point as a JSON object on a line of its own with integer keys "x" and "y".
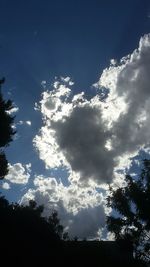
{"x": 130, "y": 218}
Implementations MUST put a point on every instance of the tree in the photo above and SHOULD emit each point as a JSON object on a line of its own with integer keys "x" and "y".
{"x": 6, "y": 130}
{"x": 56, "y": 227}
{"x": 131, "y": 204}
{"x": 25, "y": 233}
{"x": 3, "y": 165}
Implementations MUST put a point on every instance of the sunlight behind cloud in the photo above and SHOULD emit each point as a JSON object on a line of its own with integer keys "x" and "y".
{"x": 91, "y": 137}
{"x": 18, "y": 173}
{"x": 94, "y": 139}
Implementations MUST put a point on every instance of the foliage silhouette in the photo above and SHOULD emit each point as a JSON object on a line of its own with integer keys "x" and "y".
{"x": 132, "y": 218}
{"x": 3, "y": 165}
{"x": 28, "y": 237}
{"x": 6, "y": 130}
{"x": 24, "y": 228}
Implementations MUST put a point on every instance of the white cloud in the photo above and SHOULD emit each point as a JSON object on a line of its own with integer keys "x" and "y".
{"x": 48, "y": 148}
{"x": 20, "y": 122}
{"x": 13, "y": 110}
{"x": 110, "y": 236}
{"x": 24, "y": 123}
{"x": 131, "y": 89}
{"x": 74, "y": 204}
{"x": 6, "y": 185}
{"x": 92, "y": 137}
{"x": 74, "y": 197}
{"x": 113, "y": 62}
{"x": 18, "y": 173}
{"x": 67, "y": 80}
{"x": 28, "y": 123}
{"x": 43, "y": 84}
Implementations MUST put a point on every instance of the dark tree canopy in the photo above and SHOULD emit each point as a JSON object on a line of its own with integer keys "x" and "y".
{"x": 3, "y": 165}
{"x": 27, "y": 238}
{"x": 132, "y": 206}
{"x": 27, "y": 235}
{"x": 6, "y": 130}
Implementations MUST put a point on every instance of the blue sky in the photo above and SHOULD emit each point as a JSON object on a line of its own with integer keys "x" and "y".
{"x": 42, "y": 40}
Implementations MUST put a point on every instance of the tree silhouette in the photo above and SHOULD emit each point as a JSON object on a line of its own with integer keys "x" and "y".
{"x": 132, "y": 218}
{"x": 6, "y": 130}
{"x": 56, "y": 227}
{"x": 24, "y": 229}
{"x": 3, "y": 165}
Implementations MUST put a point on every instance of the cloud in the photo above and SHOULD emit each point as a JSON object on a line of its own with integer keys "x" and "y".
{"x": 131, "y": 128}
{"x": 13, "y": 110}
{"x": 28, "y": 123}
{"x": 74, "y": 135}
{"x": 82, "y": 137}
{"x": 93, "y": 139}
{"x": 5, "y": 185}
{"x": 18, "y": 173}
{"x": 43, "y": 84}
{"x": 73, "y": 203}
{"x": 67, "y": 80}
{"x": 74, "y": 197}
{"x": 88, "y": 222}
{"x": 24, "y": 123}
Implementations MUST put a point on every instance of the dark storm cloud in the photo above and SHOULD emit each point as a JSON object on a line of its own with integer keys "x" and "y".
{"x": 82, "y": 137}
{"x": 88, "y": 222}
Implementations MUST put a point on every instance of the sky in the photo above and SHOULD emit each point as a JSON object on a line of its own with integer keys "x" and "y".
{"x": 78, "y": 73}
